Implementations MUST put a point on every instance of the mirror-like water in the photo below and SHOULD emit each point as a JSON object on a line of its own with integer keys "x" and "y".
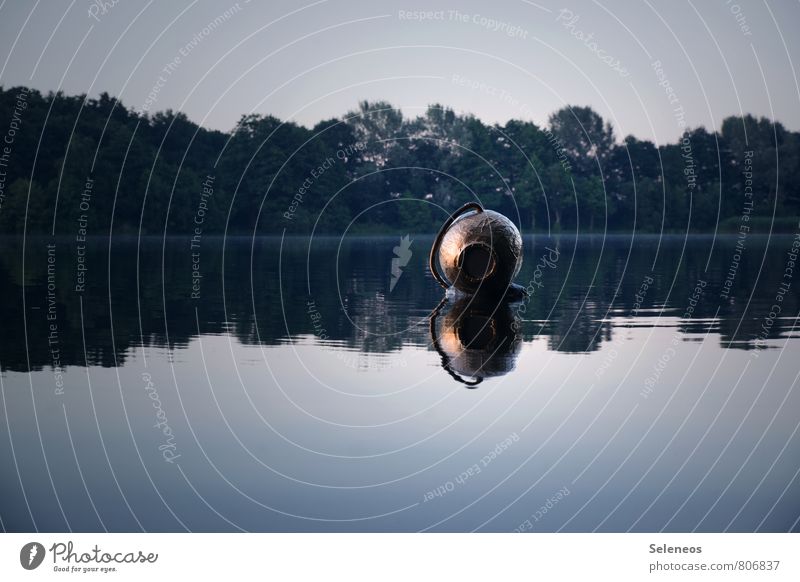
{"x": 291, "y": 384}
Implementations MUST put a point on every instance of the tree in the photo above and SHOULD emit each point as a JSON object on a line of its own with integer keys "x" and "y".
{"x": 587, "y": 140}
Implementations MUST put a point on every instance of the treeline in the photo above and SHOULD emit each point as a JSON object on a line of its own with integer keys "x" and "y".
{"x": 70, "y": 163}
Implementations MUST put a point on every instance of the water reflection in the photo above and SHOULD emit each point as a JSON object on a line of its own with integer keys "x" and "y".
{"x": 303, "y": 392}
{"x": 476, "y": 339}
{"x": 262, "y": 294}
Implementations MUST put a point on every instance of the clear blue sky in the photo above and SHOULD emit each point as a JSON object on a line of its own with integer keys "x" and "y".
{"x": 308, "y": 60}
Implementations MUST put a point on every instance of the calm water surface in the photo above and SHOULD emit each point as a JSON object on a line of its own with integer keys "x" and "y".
{"x": 286, "y": 385}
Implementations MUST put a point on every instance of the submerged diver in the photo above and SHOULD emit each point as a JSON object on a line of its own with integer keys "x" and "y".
{"x": 480, "y": 252}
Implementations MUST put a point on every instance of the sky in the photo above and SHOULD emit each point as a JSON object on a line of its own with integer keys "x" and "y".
{"x": 651, "y": 68}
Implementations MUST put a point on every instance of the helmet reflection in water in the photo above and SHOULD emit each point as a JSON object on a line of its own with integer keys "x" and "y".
{"x": 476, "y": 339}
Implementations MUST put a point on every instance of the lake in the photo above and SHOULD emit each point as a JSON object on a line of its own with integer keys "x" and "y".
{"x": 289, "y": 384}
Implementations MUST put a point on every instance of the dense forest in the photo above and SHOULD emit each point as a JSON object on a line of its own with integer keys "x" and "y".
{"x": 71, "y": 165}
